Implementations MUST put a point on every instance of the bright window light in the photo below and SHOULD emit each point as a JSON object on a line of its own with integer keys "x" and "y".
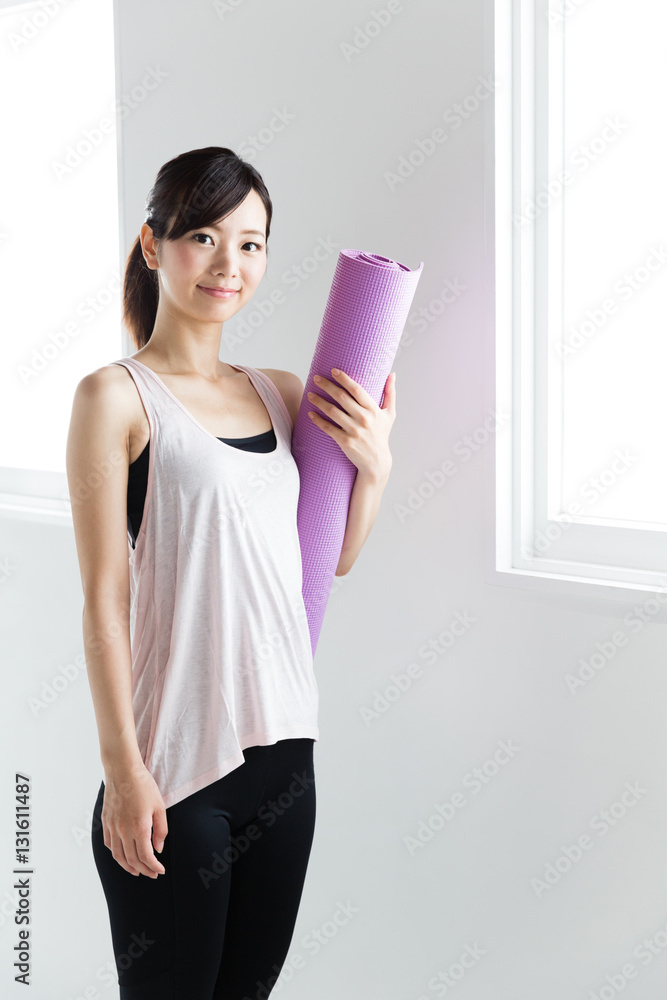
{"x": 59, "y": 245}
{"x": 613, "y": 337}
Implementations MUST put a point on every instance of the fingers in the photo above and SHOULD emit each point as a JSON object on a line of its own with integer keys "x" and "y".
{"x": 134, "y": 853}
{"x": 118, "y": 854}
{"x": 389, "y": 402}
{"x": 344, "y": 389}
{"x": 347, "y": 392}
{"x": 140, "y": 857}
{"x": 160, "y": 829}
{"x": 143, "y": 857}
{"x": 332, "y": 411}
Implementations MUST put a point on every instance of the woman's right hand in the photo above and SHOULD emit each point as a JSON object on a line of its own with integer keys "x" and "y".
{"x": 132, "y": 805}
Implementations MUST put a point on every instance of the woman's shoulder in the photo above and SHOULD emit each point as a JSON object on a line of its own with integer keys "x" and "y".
{"x": 290, "y": 387}
{"x": 105, "y": 383}
{"x": 107, "y": 395}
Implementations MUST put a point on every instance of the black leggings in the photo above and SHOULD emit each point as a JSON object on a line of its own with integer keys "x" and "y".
{"x": 218, "y": 924}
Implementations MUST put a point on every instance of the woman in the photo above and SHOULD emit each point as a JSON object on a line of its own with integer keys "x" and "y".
{"x": 197, "y": 647}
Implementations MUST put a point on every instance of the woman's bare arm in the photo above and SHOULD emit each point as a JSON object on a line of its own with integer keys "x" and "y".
{"x": 97, "y": 472}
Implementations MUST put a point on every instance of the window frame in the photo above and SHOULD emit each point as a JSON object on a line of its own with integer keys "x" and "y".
{"x": 581, "y": 556}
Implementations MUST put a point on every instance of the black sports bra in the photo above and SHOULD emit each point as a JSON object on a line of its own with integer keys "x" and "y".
{"x": 137, "y": 480}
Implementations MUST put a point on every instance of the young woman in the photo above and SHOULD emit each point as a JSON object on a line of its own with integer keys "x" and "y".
{"x": 197, "y": 646}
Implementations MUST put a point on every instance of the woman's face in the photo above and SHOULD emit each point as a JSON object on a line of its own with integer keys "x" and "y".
{"x": 229, "y": 254}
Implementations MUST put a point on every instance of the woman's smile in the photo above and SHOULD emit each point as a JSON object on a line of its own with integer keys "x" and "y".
{"x": 219, "y": 293}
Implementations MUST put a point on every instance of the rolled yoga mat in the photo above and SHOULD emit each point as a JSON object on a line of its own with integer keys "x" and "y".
{"x": 365, "y": 314}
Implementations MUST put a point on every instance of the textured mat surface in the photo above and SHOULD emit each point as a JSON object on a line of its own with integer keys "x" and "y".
{"x": 364, "y": 317}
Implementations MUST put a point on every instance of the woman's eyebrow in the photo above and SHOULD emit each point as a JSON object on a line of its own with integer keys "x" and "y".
{"x": 244, "y": 232}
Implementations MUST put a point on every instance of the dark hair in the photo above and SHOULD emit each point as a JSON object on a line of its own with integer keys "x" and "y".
{"x": 194, "y": 189}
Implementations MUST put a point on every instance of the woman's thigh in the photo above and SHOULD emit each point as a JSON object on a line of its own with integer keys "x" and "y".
{"x": 167, "y": 932}
{"x": 235, "y": 858}
{"x": 268, "y": 871}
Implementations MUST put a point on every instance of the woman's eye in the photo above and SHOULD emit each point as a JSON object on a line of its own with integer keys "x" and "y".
{"x": 250, "y": 243}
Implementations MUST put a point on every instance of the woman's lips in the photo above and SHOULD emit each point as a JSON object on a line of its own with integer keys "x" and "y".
{"x": 218, "y": 293}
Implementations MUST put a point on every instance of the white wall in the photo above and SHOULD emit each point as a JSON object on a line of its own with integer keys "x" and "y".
{"x": 501, "y": 681}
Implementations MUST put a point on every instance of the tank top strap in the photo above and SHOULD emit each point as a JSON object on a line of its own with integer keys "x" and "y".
{"x": 152, "y": 400}
{"x": 272, "y": 397}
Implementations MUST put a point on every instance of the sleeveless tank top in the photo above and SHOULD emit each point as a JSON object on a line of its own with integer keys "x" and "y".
{"x": 220, "y": 644}
{"x": 137, "y": 476}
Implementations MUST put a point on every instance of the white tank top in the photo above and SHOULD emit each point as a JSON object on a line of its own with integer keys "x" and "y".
{"x": 221, "y": 650}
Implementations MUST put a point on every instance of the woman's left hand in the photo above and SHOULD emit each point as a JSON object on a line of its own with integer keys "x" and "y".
{"x": 361, "y": 427}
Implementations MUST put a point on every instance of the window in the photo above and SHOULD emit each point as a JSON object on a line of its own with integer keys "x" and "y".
{"x": 580, "y": 296}
{"x": 59, "y": 246}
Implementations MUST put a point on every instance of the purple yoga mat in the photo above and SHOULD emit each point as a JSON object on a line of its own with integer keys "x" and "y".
{"x": 365, "y": 314}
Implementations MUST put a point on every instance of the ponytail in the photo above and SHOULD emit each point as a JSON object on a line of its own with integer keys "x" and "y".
{"x": 140, "y": 296}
